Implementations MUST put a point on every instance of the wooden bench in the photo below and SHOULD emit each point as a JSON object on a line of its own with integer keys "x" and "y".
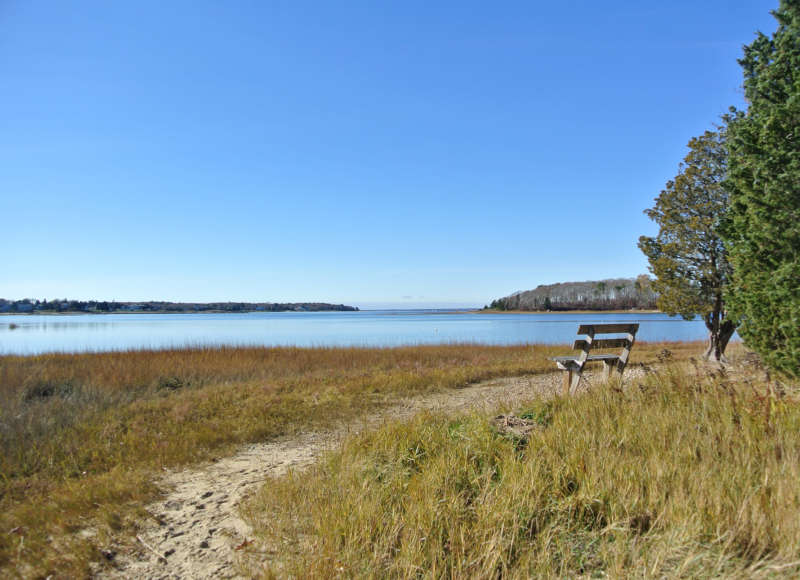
{"x": 573, "y": 365}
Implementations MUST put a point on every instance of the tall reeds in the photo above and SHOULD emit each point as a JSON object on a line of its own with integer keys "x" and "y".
{"x": 81, "y": 436}
{"x": 687, "y": 473}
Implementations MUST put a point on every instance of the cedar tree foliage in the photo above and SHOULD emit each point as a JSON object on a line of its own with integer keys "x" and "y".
{"x": 762, "y": 231}
{"x": 688, "y": 257}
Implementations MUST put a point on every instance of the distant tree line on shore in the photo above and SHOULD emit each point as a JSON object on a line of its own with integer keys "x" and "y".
{"x": 609, "y": 294}
{"x": 28, "y": 306}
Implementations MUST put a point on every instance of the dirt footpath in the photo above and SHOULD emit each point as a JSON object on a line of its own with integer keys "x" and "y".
{"x": 196, "y": 528}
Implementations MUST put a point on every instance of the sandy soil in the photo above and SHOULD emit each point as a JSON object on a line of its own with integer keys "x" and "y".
{"x": 196, "y": 528}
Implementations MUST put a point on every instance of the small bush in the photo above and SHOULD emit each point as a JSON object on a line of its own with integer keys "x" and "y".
{"x": 47, "y": 389}
{"x": 170, "y": 383}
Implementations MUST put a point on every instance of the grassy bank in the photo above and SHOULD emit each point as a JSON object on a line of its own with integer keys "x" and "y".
{"x": 689, "y": 474}
{"x": 81, "y": 436}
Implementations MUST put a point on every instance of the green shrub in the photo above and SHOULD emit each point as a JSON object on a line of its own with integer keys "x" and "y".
{"x": 763, "y": 230}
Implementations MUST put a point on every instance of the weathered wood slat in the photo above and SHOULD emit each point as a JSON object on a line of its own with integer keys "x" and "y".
{"x": 604, "y": 357}
{"x": 580, "y": 344}
{"x": 630, "y": 328}
{"x": 609, "y": 356}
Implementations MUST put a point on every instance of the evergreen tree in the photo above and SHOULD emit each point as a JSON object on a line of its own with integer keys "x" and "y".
{"x": 763, "y": 228}
{"x": 688, "y": 257}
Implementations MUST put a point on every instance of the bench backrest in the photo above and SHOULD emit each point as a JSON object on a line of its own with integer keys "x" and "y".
{"x": 585, "y": 345}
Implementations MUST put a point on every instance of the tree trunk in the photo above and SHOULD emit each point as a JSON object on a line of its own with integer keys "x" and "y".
{"x": 718, "y": 337}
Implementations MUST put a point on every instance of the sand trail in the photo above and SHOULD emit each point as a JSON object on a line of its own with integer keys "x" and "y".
{"x": 196, "y": 531}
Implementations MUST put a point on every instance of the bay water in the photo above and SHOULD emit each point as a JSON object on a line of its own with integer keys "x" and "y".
{"x": 35, "y": 334}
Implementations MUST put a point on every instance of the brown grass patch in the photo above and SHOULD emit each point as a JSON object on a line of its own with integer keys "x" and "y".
{"x": 691, "y": 472}
{"x": 82, "y": 435}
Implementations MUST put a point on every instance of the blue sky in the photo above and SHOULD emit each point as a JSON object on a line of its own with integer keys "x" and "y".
{"x": 358, "y": 152}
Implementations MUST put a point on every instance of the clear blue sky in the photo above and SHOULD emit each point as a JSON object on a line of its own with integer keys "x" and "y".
{"x": 356, "y": 152}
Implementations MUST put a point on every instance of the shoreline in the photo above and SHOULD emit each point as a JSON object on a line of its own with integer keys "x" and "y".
{"x": 79, "y": 313}
{"x": 395, "y": 311}
{"x": 634, "y": 311}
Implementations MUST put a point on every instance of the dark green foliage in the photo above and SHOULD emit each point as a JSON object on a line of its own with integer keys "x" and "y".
{"x": 46, "y": 389}
{"x": 763, "y": 229}
{"x": 541, "y": 412}
{"x": 610, "y": 294}
{"x": 28, "y": 305}
{"x": 171, "y": 383}
{"x": 688, "y": 256}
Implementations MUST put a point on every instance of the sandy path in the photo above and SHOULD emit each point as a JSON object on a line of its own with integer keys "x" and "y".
{"x": 196, "y": 526}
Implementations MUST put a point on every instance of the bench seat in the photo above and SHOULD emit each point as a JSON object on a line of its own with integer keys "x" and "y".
{"x": 565, "y": 362}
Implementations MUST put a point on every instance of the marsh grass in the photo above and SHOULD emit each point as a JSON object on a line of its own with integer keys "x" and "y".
{"x": 82, "y": 436}
{"x": 687, "y": 473}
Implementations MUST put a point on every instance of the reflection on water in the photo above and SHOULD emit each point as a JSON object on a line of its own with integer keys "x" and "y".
{"x": 31, "y": 334}
{"x": 58, "y": 325}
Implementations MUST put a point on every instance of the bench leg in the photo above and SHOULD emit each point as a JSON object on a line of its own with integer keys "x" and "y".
{"x": 576, "y": 378}
{"x": 607, "y": 368}
{"x": 567, "y": 382}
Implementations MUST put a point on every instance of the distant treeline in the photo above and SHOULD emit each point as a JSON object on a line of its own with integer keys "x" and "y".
{"x": 611, "y": 294}
{"x": 93, "y": 306}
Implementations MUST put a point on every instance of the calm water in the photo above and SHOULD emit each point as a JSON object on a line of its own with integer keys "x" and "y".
{"x": 101, "y": 332}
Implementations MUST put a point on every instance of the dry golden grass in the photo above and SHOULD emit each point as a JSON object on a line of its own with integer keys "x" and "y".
{"x": 689, "y": 473}
{"x": 82, "y": 436}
